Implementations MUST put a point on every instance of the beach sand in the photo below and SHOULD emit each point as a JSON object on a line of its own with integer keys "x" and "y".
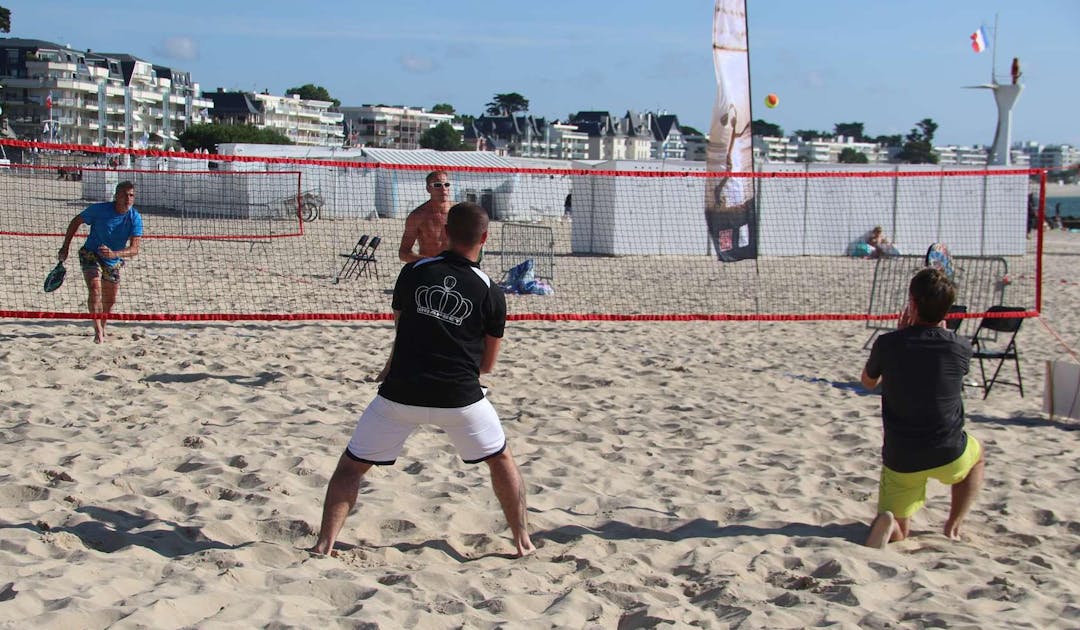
{"x": 679, "y": 474}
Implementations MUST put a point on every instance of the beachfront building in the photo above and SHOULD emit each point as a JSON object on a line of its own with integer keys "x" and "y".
{"x": 775, "y": 149}
{"x": 627, "y": 138}
{"x": 953, "y": 155}
{"x": 1051, "y": 156}
{"x": 389, "y": 127}
{"x": 669, "y": 143}
{"x": 306, "y": 122}
{"x": 696, "y": 146}
{"x": 56, "y": 93}
{"x": 527, "y": 136}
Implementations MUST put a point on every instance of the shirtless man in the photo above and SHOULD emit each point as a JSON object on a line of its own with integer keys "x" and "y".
{"x": 425, "y": 224}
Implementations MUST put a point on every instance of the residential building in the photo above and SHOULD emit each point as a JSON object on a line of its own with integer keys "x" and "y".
{"x": 953, "y": 155}
{"x": 306, "y": 122}
{"x": 1051, "y": 156}
{"x": 668, "y": 140}
{"x": 59, "y": 94}
{"x": 610, "y": 138}
{"x": 696, "y": 147}
{"x": 390, "y": 127}
{"x": 527, "y": 136}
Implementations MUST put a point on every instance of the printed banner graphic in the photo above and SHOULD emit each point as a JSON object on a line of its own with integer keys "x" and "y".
{"x": 730, "y": 212}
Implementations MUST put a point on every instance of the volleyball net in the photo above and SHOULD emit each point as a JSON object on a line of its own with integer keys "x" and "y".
{"x": 242, "y": 238}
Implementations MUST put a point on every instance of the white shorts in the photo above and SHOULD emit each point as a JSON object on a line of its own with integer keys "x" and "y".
{"x": 385, "y": 425}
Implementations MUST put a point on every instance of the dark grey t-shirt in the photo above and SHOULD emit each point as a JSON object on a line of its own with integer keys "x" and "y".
{"x": 448, "y": 306}
{"x": 922, "y": 404}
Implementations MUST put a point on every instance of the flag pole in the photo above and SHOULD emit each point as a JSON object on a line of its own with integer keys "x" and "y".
{"x": 993, "y": 53}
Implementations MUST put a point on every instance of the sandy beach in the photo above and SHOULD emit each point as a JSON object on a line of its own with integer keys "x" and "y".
{"x": 684, "y": 474}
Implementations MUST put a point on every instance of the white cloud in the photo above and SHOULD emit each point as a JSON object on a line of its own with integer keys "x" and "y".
{"x": 182, "y": 48}
{"x": 416, "y": 64}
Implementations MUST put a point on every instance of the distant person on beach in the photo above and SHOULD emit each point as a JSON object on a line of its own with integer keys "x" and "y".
{"x": 882, "y": 246}
{"x": 1058, "y": 223}
{"x": 1032, "y": 214}
{"x": 921, "y": 370}
{"x": 424, "y": 225}
{"x": 449, "y": 319}
{"x": 116, "y": 230}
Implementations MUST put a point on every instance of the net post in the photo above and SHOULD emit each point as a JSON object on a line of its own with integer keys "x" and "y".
{"x": 1039, "y": 242}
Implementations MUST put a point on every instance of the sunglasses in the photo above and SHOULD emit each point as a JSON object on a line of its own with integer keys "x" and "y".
{"x": 440, "y": 184}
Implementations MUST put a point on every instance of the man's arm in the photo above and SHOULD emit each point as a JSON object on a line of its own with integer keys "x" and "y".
{"x": 408, "y": 238}
{"x": 491, "y": 352}
{"x": 867, "y": 382}
{"x": 73, "y": 227}
{"x": 131, "y": 250}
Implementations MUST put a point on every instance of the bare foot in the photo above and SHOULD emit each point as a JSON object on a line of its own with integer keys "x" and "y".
{"x": 526, "y": 549}
{"x": 881, "y": 530}
{"x": 99, "y": 338}
{"x": 321, "y": 550}
{"x": 952, "y": 530}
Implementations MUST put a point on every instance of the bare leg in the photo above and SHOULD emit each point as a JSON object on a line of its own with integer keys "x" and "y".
{"x": 963, "y": 495}
{"x": 340, "y": 500}
{"x": 108, "y": 298}
{"x": 881, "y": 530}
{"x": 93, "y": 305}
{"x": 510, "y": 490}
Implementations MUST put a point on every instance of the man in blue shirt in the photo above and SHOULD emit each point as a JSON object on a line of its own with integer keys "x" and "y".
{"x": 115, "y": 232}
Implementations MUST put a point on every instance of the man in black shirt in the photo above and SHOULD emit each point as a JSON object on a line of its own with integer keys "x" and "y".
{"x": 449, "y": 318}
{"x": 921, "y": 369}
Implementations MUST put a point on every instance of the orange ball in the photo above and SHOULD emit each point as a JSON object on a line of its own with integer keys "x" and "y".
{"x": 772, "y": 101}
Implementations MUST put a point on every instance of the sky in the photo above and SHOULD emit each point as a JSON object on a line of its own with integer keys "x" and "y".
{"x": 885, "y": 63}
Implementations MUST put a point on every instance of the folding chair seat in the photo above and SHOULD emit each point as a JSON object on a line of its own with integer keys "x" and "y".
{"x": 353, "y": 259}
{"x": 998, "y": 351}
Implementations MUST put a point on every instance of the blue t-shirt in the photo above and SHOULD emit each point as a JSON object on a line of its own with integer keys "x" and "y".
{"x": 109, "y": 228}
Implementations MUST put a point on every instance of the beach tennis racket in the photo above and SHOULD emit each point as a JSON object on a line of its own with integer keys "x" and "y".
{"x": 55, "y": 278}
{"x": 938, "y": 256}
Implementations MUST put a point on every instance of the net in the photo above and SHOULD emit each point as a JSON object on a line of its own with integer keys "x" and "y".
{"x": 248, "y": 238}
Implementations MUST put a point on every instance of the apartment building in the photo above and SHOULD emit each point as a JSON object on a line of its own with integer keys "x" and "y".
{"x": 306, "y": 122}
{"x": 528, "y": 136}
{"x": 56, "y": 93}
{"x": 389, "y": 127}
{"x": 1051, "y": 156}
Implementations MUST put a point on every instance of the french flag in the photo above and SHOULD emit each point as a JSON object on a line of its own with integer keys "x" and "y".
{"x": 978, "y": 40}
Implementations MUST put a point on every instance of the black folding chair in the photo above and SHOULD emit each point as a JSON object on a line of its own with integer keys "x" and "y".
{"x": 354, "y": 259}
{"x": 368, "y": 258}
{"x": 1003, "y": 349}
{"x": 954, "y": 324}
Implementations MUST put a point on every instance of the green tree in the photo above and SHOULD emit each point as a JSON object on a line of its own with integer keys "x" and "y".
{"x": 887, "y": 141}
{"x": 764, "y": 128}
{"x": 208, "y": 136}
{"x": 442, "y": 137}
{"x": 443, "y": 108}
{"x": 851, "y": 130}
{"x": 809, "y": 134}
{"x": 850, "y": 156}
{"x": 687, "y": 130}
{"x": 5, "y": 20}
{"x": 918, "y": 145}
{"x": 310, "y": 92}
{"x": 507, "y": 104}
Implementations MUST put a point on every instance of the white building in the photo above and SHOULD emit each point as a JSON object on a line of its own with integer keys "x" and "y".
{"x": 112, "y": 99}
{"x": 389, "y": 127}
{"x": 307, "y": 122}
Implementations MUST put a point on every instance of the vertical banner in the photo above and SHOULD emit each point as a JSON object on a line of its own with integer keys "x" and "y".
{"x": 730, "y": 212}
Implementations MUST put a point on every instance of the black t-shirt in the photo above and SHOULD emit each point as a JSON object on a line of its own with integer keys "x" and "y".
{"x": 447, "y": 307}
{"x": 922, "y": 404}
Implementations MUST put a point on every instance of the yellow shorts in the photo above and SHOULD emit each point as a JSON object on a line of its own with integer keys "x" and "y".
{"x": 904, "y": 494}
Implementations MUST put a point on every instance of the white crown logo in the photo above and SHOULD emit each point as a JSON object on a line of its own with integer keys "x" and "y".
{"x": 443, "y": 302}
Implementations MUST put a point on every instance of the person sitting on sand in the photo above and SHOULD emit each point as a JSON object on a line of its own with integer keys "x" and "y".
{"x": 921, "y": 369}
{"x": 449, "y": 318}
{"x": 880, "y": 243}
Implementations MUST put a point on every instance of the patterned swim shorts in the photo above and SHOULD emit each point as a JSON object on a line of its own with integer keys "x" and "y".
{"x": 94, "y": 265}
